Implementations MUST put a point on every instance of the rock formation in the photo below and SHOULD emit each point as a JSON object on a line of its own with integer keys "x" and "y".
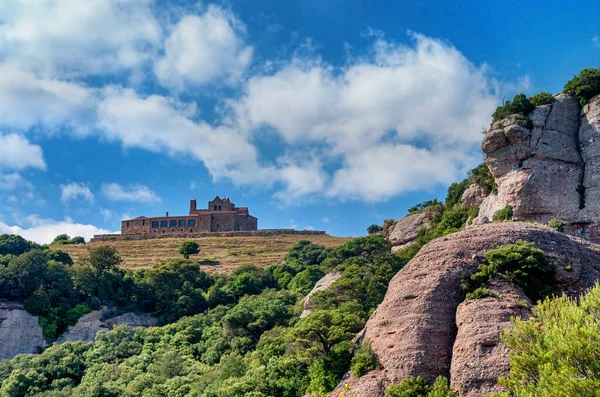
{"x": 549, "y": 168}
{"x": 404, "y": 231}
{"x": 103, "y": 320}
{"x": 20, "y": 332}
{"x": 414, "y": 330}
{"x": 321, "y": 285}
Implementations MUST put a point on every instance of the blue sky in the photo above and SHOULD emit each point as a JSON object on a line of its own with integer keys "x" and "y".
{"x": 328, "y": 115}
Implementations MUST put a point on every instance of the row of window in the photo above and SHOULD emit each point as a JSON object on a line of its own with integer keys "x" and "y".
{"x": 174, "y": 223}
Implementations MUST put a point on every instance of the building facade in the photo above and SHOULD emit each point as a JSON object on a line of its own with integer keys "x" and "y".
{"x": 221, "y": 216}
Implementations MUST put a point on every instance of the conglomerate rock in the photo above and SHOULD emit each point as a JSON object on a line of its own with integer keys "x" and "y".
{"x": 404, "y": 231}
{"x": 414, "y": 330}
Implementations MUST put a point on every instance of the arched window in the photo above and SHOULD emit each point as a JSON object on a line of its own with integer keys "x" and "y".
{"x": 219, "y": 208}
{"x": 155, "y": 225}
{"x": 164, "y": 223}
{"x": 173, "y": 223}
{"x": 215, "y": 207}
{"x": 192, "y": 222}
{"x": 182, "y": 222}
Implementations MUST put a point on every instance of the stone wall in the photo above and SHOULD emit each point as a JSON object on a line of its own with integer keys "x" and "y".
{"x": 246, "y": 233}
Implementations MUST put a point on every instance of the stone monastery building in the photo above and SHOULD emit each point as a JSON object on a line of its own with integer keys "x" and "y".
{"x": 221, "y": 216}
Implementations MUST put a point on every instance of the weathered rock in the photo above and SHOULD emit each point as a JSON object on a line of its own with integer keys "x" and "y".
{"x": 550, "y": 171}
{"x": 473, "y": 195}
{"x": 20, "y": 332}
{"x": 404, "y": 231}
{"x": 321, "y": 285}
{"x": 372, "y": 384}
{"x": 478, "y": 356}
{"x": 103, "y": 320}
{"x": 413, "y": 331}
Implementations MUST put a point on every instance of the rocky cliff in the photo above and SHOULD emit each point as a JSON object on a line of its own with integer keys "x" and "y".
{"x": 549, "y": 166}
{"x": 20, "y": 332}
{"x": 423, "y": 327}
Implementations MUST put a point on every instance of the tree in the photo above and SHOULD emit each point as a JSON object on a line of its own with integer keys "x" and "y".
{"x": 374, "y": 229}
{"x": 585, "y": 85}
{"x": 188, "y": 248}
{"x": 61, "y": 239}
{"x": 77, "y": 240}
{"x": 103, "y": 259}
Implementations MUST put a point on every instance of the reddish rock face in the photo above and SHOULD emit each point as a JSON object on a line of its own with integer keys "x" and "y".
{"x": 414, "y": 330}
{"x": 551, "y": 170}
{"x": 404, "y": 231}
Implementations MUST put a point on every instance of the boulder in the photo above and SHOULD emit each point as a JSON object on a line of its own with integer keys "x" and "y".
{"x": 478, "y": 356}
{"x": 414, "y": 330}
{"x": 321, "y": 285}
{"x": 89, "y": 325}
{"x": 404, "y": 231}
{"x": 473, "y": 195}
{"x": 20, "y": 332}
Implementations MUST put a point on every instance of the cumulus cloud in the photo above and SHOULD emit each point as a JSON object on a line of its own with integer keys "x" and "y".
{"x": 10, "y": 181}
{"x": 73, "y": 37}
{"x": 203, "y": 49}
{"x": 140, "y": 193}
{"x": 43, "y": 231}
{"x": 75, "y": 191}
{"x": 16, "y": 152}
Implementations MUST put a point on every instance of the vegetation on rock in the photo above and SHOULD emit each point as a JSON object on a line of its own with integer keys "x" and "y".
{"x": 555, "y": 352}
{"x": 504, "y": 214}
{"x": 418, "y": 387}
{"x": 557, "y": 224}
{"x": 585, "y": 85}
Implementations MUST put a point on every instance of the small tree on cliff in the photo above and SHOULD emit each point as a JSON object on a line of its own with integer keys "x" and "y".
{"x": 188, "y": 248}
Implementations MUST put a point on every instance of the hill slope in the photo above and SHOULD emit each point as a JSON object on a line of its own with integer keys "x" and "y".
{"x": 217, "y": 253}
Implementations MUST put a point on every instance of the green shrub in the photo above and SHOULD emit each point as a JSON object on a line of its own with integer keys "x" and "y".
{"x": 364, "y": 360}
{"x": 542, "y": 98}
{"x": 482, "y": 176}
{"x": 455, "y": 192}
{"x": 424, "y": 205}
{"x": 556, "y": 352}
{"x": 520, "y": 105}
{"x": 584, "y": 86}
{"x": 520, "y": 263}
{"x": 505, "y": 214}
{"x": 418, "y": 387}
{"x": 188, "y": 248}
{"x": 374, "y": 229}
{"x": 557, "y": 225}
{"x": 480, "y": 293}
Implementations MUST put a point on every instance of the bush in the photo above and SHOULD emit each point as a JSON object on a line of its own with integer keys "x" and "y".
{"x": 455, "y": 192}
{"x": 542, "y": 98}
{"x": 480, "y": 293}
{"x": 424, "y": 205}
{"x": 585, "y": 85}
{"x": 505, "y": 214}
{"x": 418, "y": 387}
{"x": 188, "y": 248}
{"x": 556, "y": 352}
{"x": 557, "y": 225}
{"x": 364, "y": 360}
{"x": 520, "y": 105}
{"x": 482, "y": 176}
{"x": 374, "y": 229}
{"x": 520, "y": 263}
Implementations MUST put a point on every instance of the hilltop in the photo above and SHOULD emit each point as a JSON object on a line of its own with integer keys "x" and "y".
{"x": 221, "y": 254}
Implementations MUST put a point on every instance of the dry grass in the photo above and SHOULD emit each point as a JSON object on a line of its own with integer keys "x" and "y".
{"x": 222, "y": 254}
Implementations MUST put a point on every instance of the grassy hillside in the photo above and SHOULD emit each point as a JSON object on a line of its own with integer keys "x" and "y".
{"x": 221, "y": 254}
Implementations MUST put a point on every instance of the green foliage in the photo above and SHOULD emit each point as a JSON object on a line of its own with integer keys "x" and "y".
{"x": 364, "y": 360}
{"x": 63, "y": 239}
{"x": 557, "y": 224}
{"x": 424, "y": 205}
{"x": 556, "y": 352}
{"x": 418, "y": 387}
{"x": 520, "y": 105}
{"x": 585, "y": 85}
{"x": 372, "y": 229}
{"x": 11, "y": 244}
{"x": 504, "y": 214}
{"x": 542, "y": 98}
{"x": 455, "y": 192}
{"x": 520, "y": 263}
{"x": 307, "y": 253}
{"x": 480, "y": 293}
{"x": 188, "y": 248}
{"x": 482, "y": 176}
{"x": 102, "y": 259}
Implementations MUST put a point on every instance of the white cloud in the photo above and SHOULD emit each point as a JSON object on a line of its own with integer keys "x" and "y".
{"x": 75, "y": 191}
{"x": 140, "y": 193}
{"x": 43, "y": 231}
{"x": 17, "y": 153}
{"x": 73, "y": 37}
{"x": 204, "y": 49}
{"x": 10, "y": 181}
